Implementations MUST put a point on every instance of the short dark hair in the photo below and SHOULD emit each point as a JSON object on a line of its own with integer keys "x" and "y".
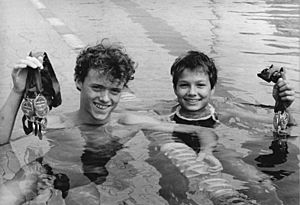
{"x": 193, "y": 60}
{"x": 109, "y": 58}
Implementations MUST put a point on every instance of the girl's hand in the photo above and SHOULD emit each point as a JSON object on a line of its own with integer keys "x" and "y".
{"x": 284, "y": 92}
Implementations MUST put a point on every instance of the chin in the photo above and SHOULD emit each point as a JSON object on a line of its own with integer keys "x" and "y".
{"x": 193, "y": 108}
{"x": 101, "y": 118}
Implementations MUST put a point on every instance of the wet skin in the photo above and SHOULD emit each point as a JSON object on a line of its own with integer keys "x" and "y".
{"x": 193, "y": 91}
{"x": 98, "y": 98}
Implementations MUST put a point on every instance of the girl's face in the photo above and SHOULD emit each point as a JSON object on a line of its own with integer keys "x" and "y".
{"x": 193, "y": 91}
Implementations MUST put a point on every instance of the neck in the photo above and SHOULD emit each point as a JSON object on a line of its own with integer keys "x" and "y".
{"x": 80, "y": 118}
{"x": 194, "y": 114}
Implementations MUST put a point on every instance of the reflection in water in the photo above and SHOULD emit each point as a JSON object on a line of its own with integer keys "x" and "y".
{"x": 278, "y": 156}
{"x": 174, "y": 185}
{"x": 77, "y": 159}
{"x": 61, "y": 181}
{"x": 95, "y": 157}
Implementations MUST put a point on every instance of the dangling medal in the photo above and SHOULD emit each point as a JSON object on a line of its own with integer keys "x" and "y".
{"x": 280, "y": 121}
{"x": 276, "y": 120}
{"x": 41, "y": 106}
{"x": 40, "y": 103}
{"x": 28, "y": 108}
{"x": 43, "y": 124}
{"x": 42, "y": 113}
{"x": 39, "y": 83}
{"x": 283, "y": 120}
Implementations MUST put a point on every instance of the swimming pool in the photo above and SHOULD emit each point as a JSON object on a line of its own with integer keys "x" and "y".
{"x": 127, "y": 165}
{"x": 261, "y": 33}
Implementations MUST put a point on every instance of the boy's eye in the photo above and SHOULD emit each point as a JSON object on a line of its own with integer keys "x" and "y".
{"x": 115, "y": 91}
{"x": 98, "y": 88}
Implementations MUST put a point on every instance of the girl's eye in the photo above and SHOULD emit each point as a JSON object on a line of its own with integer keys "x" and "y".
{"x": 183, "y": 85}
{"x": 200, "y": 85}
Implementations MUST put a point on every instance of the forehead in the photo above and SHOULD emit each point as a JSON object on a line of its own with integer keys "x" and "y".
{"x": 100, "y": 78}
{"x": 194, "y": 74}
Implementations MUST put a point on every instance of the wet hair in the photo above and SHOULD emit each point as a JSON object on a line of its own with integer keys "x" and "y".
{"x": 108, "y": 58}
{"x": 194, "y": 60}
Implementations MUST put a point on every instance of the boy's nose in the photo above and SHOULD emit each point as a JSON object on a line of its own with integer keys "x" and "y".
{"x": 104, "y": 96}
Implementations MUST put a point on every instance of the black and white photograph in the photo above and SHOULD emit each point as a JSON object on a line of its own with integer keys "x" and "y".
{"x": 149, "y": 102}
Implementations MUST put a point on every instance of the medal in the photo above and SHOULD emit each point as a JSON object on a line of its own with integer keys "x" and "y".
{"x": 40, "y": 103}
{"x": 42, "y": 113}
{"x": 43, "y": 124}
{"x": 41, "y": 106}
{"x": 280, "y": 121}
{"x": 39, "y": 83}
{"x": 283, "y": 120}
{"x": 27, "y": 108}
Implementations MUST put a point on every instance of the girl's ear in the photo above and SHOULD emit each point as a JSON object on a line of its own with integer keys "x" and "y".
{"x": 174, "y": 88}
{"x": 78, "y": 84}
{"x": 213, "y": 91}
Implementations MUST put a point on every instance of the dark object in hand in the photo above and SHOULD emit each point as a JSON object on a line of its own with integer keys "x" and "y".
{"x": 281, "y": 118}
{"x": 50, "y": 87}
{"x": 271, "y": 74}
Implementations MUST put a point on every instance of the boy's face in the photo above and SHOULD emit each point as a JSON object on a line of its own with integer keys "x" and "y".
{"x": 99, "y": 97}
{"x": 193, "y": 90}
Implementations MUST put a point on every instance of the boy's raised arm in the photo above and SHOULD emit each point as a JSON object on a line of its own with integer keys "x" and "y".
{"x": 8, "y": 115}
{"x": 11, "y": 106}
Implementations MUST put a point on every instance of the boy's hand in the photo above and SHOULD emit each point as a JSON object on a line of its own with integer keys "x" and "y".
{"x": 20, "y": 70}
{"x": 283, "y": 91}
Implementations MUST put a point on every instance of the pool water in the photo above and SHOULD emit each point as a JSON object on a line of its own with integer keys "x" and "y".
{"x": 126, "y": 165}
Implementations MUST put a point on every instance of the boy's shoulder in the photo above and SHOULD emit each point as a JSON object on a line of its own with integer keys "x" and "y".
{"x": 58, "y": 121}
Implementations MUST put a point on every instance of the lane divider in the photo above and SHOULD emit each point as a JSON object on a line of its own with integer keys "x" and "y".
{"x": 73, "y": 41}
{"x": 38, "y": 4}
{"x": 58, "y": 25}
{"x": 55, "y": 22}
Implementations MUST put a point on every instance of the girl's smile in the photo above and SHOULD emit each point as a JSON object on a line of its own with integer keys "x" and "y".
{"x": 193, "y": 91}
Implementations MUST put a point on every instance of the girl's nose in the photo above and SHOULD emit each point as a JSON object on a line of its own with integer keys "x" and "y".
{"x": 192, "y": 90}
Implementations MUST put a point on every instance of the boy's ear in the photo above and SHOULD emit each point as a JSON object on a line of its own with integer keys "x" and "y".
{"x": 78, "y": 84}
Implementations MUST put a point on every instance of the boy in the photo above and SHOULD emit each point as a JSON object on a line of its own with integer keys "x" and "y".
{"x": 101, "y": 73}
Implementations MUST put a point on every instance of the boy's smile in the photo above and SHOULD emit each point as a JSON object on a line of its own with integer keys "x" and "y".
{"x": 99, "y": 97}
{"x": 193, "y": 91}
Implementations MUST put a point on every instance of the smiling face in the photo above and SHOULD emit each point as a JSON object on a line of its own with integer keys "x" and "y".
{"x": 98, "y": 98}
{"x": 193, "y": 91}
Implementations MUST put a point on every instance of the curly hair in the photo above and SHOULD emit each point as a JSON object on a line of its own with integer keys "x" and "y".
{"x": 193, "y": 60}
{"x": 108, "y": 58}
